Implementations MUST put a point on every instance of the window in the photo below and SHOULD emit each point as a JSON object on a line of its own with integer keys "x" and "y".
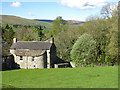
{"x": 21, "y": 58}
{"x": 33, "y": 58}
{"x": 4, "y": 59}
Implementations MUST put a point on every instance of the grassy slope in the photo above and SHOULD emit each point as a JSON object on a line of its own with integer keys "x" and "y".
{"x": 89, "y": 77}
{"x": 7, "y": 19}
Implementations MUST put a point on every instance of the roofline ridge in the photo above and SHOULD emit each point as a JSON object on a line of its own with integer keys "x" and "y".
{"x": 32, "y": 41}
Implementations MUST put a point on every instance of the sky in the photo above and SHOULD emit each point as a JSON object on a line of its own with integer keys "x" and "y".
{"x": 50, "y": 9}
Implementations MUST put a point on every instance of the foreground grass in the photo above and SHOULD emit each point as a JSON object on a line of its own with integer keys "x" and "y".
{"x": 86, "y": 77}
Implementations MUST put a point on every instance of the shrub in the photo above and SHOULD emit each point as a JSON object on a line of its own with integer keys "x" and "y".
{"x": 83, "y": 51}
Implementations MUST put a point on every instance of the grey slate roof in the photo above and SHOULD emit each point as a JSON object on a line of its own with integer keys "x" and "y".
{"x": 31, "y": 45}
{"x": 29, "y": 52}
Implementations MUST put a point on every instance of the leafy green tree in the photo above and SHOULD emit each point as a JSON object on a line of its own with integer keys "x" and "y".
{"x": 83, "y": 51}
{"x": 58, "y": 25}
{"x": 22, "y": 33}
{"x": 64, "y": 41}
{"x": 8, "y": 34}
{"x": 113, "y": 45}
{"x": 39, "y": 33}
{"x": 101, "y": 33}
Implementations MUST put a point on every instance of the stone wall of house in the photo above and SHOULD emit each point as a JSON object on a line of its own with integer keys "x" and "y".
{"x": 21, "y": 63}
{"x": 40, "y": 61}
{"x": 48, "y": 58}
{"x": 27, "y": 62}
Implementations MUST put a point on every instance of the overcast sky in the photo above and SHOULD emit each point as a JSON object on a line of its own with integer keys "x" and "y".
{"x": 50, "y": 9}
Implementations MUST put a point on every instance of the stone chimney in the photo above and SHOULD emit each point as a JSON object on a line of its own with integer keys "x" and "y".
{"x": 52, "y": 40}
{"x": 14, "y": 40}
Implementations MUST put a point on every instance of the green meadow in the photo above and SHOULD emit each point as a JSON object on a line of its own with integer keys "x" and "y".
{"x": 84, "y": 77}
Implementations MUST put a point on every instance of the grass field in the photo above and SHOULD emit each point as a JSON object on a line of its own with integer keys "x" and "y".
{"x": 86, "y": 77}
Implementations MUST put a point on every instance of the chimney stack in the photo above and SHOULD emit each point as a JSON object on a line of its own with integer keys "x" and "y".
{"x": 14, "y": 40}
{"x": 52, "y": 40}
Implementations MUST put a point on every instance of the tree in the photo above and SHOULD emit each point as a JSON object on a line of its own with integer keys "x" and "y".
{"x": 58, "y": 25}
{"x": 105, "y": 32}
{"x": 108, "y": 10}
{"x": 39, "y": 33}
{"x": 83, "y": 51}
{"x": 22, "y": 33}
{"x": 113, "y": 45}
{"x": 101, "y": 33}
{"x": 64, "y": 41}
{"x": 8, "y": 34}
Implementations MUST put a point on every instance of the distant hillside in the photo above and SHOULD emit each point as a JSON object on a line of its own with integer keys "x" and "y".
{"x": 73, "y": 22}
{"x": 8, "y": 19}
{"x": 13, "y": 20}
{"x": 50, "y": 21}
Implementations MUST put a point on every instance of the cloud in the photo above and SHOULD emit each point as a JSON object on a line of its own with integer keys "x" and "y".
{"x": 84, "y": 4}
{"x": 15, "y": 4}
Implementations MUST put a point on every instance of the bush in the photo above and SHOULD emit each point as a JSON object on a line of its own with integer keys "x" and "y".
{"x": 83, "y": 51}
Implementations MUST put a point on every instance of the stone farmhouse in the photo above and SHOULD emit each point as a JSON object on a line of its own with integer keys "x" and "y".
{"x": 34, "y": 54}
